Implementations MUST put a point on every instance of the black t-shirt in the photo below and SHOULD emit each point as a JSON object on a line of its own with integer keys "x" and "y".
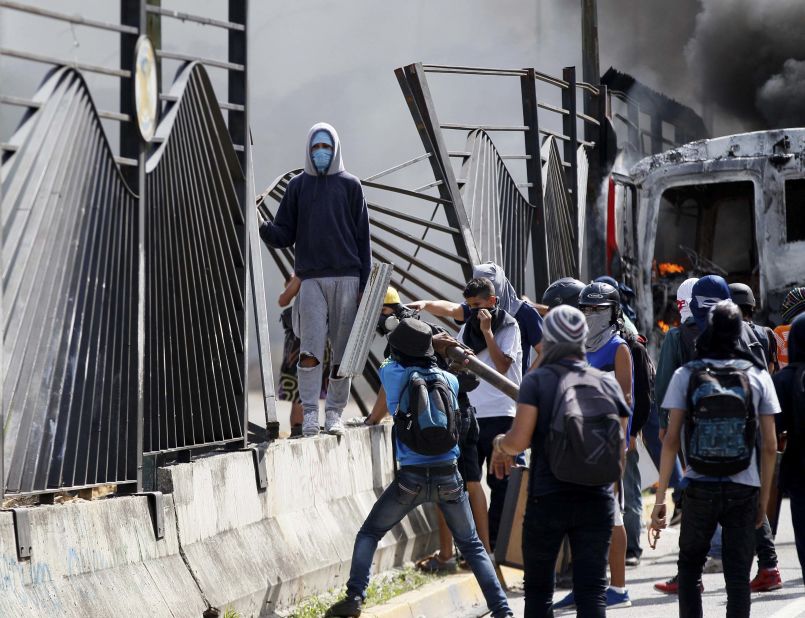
{"x": 539, "y": 389}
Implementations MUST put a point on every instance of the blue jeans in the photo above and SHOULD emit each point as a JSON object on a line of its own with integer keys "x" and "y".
{"x": 411, "y": 488}
{"x": 734, "y": 507}
{"x": 587, "y": 521}
{"x": 633, "y": 501}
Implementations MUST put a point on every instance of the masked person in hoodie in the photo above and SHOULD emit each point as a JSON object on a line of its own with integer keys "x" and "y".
{"x": 790, "y": 386}
{"x": 323, "y": 216}
{"x": 711, "y": 290}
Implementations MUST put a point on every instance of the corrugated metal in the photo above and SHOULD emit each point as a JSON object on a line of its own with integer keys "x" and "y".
{"x": 70, "y": 299}
{"x": 363, "y": 328}
{"x": 562, "y": 251}
{"x": 195, "y": 248}
{"x": 500, "y": 216}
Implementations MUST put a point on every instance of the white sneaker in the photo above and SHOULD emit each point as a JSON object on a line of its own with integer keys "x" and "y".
{"x": 713, "y": 565}
{"x": 310, "y": 424}
{"x": 333, "y": 424}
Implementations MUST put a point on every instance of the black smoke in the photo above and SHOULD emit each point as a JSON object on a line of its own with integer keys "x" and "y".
{"x": 748, "y": 58}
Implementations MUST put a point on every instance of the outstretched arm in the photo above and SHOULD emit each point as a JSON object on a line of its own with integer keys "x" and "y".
{"x": 439, "y": 308}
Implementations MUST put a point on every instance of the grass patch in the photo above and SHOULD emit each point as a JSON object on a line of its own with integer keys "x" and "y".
{"x": 231, "y": 613}
{"x": 382, "y": 588}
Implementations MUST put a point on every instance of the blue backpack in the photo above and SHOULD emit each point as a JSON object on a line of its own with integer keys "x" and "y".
{"x": 720, "y": 424}
{"x": 427, "y": 420}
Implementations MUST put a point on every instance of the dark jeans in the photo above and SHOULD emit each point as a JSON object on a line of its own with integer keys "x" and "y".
{"x": 408, "y": 491}
{"x": 734, "y": 507}
{"x": 633, "y": 501}
{"x": 797, "y": 499}
{"x": 587, "y": 521}
{"x": 764, "y": 546}
{"x": 488, "y": 429}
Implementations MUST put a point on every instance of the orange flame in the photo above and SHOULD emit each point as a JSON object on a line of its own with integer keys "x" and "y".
{"x": 669, "y": 268}
{"x": 663, "y": 326}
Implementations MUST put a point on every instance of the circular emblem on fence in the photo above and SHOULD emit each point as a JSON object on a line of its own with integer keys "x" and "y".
{"x": 146, "y": 89}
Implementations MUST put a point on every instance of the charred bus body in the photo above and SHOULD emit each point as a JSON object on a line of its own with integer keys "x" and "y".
{"x": 733, "y": 206}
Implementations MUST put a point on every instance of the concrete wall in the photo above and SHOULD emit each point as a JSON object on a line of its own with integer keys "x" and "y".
{"x": 226, "y": 544}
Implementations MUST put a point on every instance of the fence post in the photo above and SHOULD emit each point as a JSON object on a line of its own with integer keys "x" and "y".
{"x": 539, "y": 241}
{"x": 133, "y": 13}
{"x": 569, "y": 124}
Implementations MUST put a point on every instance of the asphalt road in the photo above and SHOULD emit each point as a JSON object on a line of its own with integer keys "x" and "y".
{"x": 660, "y": 564}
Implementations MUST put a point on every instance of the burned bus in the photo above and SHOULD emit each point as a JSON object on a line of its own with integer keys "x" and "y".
{"x": 733, "y": 206}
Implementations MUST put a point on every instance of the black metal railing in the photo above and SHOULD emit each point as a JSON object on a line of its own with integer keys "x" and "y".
{"x": 70, "y": 300}
{"x": 124, "y": 329}
{"x": 195, "y": 255}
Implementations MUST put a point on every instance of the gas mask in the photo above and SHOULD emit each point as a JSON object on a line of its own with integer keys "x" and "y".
{"x": 387, "y": 323}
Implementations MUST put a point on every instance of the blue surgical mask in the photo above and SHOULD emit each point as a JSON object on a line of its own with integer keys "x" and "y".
{"x": 322, "y": 159}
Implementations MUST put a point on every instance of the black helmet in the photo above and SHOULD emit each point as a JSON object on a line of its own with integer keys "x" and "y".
{"x": 742, "y": 294}
{"x": 564, "y": 291}
{"x": 599, "y": 294}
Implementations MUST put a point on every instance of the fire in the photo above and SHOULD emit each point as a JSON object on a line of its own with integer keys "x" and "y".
{"x": 663, "y": 326}
{"x": 669, "y": 268}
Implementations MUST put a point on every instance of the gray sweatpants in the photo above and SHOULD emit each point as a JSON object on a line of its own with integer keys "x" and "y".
{"x": 326, "y": 308}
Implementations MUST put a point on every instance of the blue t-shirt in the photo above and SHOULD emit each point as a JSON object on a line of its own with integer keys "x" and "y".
{"x": 604, "y": 359}
{"x": 394, "y": 379}
{"x": 530, "y": 322}
{"x": 539, "y": 389}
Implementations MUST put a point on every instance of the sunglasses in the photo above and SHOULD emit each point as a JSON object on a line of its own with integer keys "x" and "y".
{"x": 590, "y": 309}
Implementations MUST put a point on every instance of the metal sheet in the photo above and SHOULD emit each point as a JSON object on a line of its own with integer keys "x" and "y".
{"x": 363, "y": 328}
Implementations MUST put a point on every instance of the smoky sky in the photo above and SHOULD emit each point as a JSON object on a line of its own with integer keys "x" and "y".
{"x": 746, "y": 57}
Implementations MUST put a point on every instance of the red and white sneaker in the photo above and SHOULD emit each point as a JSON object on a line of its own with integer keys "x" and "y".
{"x": 767, "y": 580}
{"x": 672, "y": 586}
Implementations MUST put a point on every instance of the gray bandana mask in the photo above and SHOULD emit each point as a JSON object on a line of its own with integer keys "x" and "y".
{"x": 600, "y": 330}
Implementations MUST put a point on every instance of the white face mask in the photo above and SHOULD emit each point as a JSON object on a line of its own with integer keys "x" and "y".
{"x": 600, "y": 329}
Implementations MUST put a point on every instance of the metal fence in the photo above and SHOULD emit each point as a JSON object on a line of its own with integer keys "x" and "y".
{"x": 70, "y": 297}
{"x": 125, "y": 287}
{"x": 505, "y": 220}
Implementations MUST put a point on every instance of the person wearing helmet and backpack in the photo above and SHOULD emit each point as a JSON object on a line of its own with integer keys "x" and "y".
{"x": 722, "y": 404}
{"x": 743, "y": 296}
{"x": 609, "y": 352}
{"x": 789, "y": 383}
{"x": 423, "y": 401}
{"x": 574, "y": 418}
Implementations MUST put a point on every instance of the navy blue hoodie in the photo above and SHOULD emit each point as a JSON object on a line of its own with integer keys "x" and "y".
{"x": 324, "y": 217}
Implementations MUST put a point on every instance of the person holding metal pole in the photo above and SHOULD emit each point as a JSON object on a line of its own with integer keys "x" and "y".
{"x": 323, "y": 215}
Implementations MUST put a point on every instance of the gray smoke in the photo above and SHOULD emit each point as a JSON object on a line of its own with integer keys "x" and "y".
{"x": 748, "y": 58}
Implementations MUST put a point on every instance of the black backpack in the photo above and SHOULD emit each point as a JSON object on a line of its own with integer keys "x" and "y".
{"x": 720, "y": 423}
{"x": 585, "y": 443}
{"x": 427, "y": 420}
{"x": 643, "y": 383}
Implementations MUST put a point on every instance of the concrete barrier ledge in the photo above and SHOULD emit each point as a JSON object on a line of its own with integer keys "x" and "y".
{"x": 227, "y": 544}
{"x": 450, "y": 596}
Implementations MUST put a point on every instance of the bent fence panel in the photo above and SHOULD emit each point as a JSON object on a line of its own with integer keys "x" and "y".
{"x": 70, "y": 299}
{"x": 196, "y": 256}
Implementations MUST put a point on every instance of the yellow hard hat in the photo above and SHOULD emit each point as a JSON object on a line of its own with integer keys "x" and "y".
{"x": 392, "y": 297}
